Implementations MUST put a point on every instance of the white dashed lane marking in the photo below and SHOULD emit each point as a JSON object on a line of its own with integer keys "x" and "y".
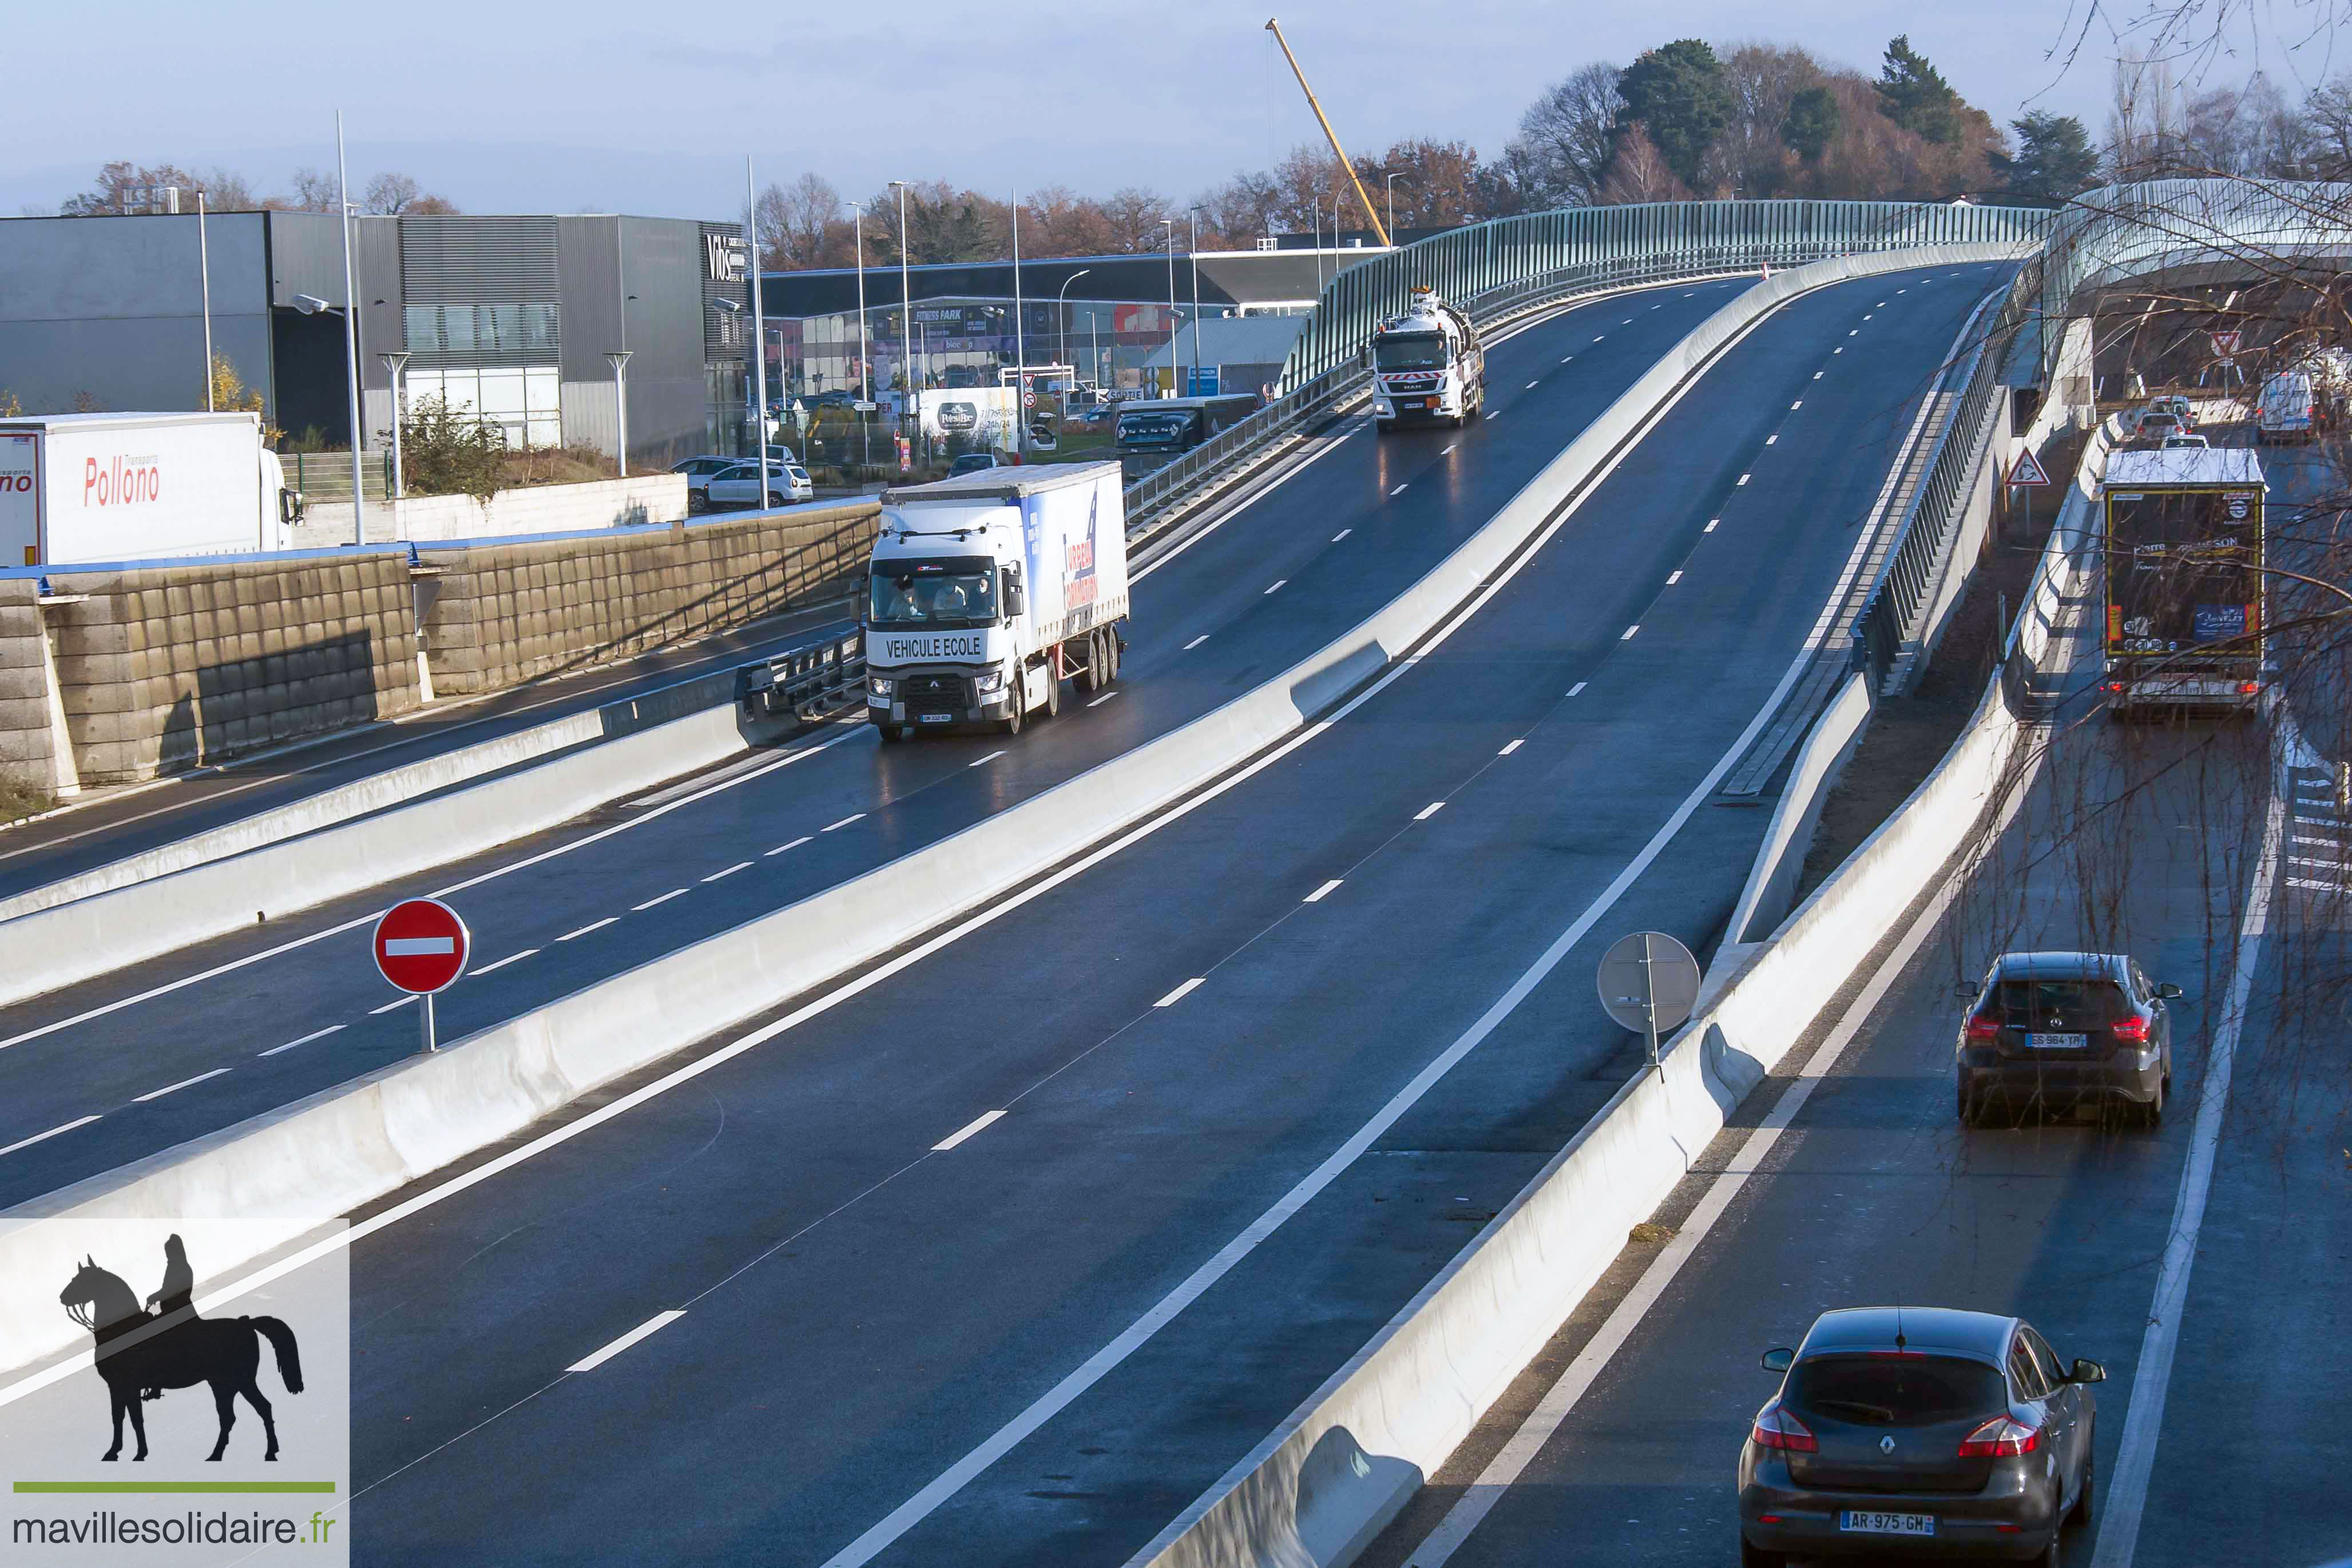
{"x": 730, "y": 871}
{"x": 1204, "y": 636}
{"x": 853, "y": 817}
{"x": 403, "y": 1001}
{"x": 314, "y": 1034}
{"x": 53, "y": 1131}
{"x": 1429, "y": 810}
{"x": 175, "y": 1088}
{"x": 515, "y": 957}
{"x": 976, "y": 1124}
{"x": 779, "y": 849}
{"x": 597, "y": 925}
{"x": 1179, "y": 993}
{"x": 1513, "y": 747}
{"x": 650, "y": 903}
{"x": 645, "y": 1330}
{"x": 1322, "y": 893}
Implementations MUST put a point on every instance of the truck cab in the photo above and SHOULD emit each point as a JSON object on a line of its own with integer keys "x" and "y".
{"x": 1427, "y": 366}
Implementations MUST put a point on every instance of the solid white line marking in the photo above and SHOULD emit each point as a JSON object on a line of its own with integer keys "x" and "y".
{"x": 1179, "y": 993}
{"x": 1342, "y": 534}
{"x": 1102, "y": 699}
{"x": 1710, "y": 525}
{"x": 984, "y": 761}
{"x": 390, "y": 1006}
{"x": 175, "y": 1088}
{"x": 44, "y": 1137}
{"x": 853, "y": 817}
{"x": 1513, "y": 747}
{"x": 779, "y": 849}
{"x": 1429, "y": 810}
{"x": 1204, "y": 636}
{"x": 599, "y": 926}
{"x": 1575, "y": 688}
{"x": 1673, "y": 577}
{"x": 370, "y": 918}
{"x": 417, "y": 947}
{"x": 1277, "y": 583}
{"x": 1323, "y": 892}
{"x": 526, "y": 953}
{"x": 966, "y": 1131}
{"x": 314, "y": 1034}
{"x": 1399, "y": 489}
{"x": 665, "y": 898}
{"x": 730, "y": 871}
{"x": 1627, "y": 635}
{"x": 2119, "y": 1516}
{"x": 645, "y": 1330}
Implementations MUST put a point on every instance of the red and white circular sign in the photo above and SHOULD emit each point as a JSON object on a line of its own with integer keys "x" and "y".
{"x": 421, "y": 946}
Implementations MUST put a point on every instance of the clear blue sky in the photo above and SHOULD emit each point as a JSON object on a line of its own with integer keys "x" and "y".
{"x": 596, "y": 104}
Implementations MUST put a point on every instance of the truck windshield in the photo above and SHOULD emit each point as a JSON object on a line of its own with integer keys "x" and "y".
{"x": 1409, "y": 351}
{"x": 913, "y": 594}
{"x": 2183, "y": 572}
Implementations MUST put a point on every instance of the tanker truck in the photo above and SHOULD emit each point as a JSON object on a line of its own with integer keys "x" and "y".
{"x": 1427, "y": 366}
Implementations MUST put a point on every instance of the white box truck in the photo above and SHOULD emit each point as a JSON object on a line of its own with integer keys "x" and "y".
{"x": 79, "y": 488}
{"x": 986, "y": 592}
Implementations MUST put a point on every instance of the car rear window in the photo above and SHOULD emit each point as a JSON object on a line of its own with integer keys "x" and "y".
{"x": 1895, "y": 1390}
{"x": 2073, "y": 1004}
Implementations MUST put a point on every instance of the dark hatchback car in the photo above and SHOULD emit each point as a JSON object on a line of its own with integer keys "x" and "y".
{"x": 2052, "y": 1030}
{"x": 1918, "y": 1432}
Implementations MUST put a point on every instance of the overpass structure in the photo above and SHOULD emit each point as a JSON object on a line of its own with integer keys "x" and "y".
{"x": 1165, "y": 1139}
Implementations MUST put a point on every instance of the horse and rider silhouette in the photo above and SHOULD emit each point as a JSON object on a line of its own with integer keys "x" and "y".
{"x": 140, "y": 1353}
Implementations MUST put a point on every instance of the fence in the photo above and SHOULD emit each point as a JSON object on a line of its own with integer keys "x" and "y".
{"x": 327, "y": 476}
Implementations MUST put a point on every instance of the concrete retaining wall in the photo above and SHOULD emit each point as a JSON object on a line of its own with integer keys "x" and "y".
{"x": 28, "y": 751}
{"x": 349, "y": 1144}
{"x": 1772, "y": 883}
{"x": 532, "y": 510}
{"x": 505, "y": 610}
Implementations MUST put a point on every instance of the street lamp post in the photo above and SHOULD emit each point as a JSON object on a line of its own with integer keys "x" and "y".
{"x": 1192, "y": 257}
{"x": 351, "y": 335}
{"x": 865, "y": 364}
{"x": 393, "y": 365}
{"x": 906, "y": 310}
{"x": 204, "y": 281}
{"x": 1169, "y": 223}
{"x": 1062, "y": 316}
{"x": 759, "y": 321}
{"x": 619, "y": 360}
{"x": 1392, "y": 228}
{"x": 1020, "y": 348}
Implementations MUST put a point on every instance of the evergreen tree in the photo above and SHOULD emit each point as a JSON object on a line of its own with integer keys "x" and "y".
{"x": 1812, "y": 123}
{"x": 1914, "y": 95}
{"x": 2055, "y": 157}
{"x": 1676, "y": 94}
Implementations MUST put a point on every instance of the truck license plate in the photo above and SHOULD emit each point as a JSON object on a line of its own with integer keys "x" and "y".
{"x": 1864, "y": 1521}
{"x": 933, "y": 717}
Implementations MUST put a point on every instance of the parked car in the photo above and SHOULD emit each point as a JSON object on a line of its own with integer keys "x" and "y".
{"x": 697, "y": 472}
{"x": 1918, "y": 1431}
{"x": 973, "y": 463}
{"x": 740, "y": 486}
{"x": 2056, "y": 1029}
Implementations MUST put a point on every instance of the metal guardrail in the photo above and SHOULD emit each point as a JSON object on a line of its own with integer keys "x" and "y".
{"x": 1500, "y": 269}
{"x": 807, "y": 681}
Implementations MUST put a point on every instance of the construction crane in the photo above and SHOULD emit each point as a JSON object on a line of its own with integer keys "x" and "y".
{"x": 1275, "y": 26}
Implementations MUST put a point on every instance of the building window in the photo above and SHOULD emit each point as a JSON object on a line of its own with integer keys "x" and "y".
{"x": 481, "y": 331}
{"x": 523, "y": 400}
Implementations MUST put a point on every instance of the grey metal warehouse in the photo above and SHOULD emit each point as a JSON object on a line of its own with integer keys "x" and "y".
{"x": 512, "y": 315}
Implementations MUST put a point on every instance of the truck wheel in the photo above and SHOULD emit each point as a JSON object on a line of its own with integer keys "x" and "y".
{"x": 1383, "y": 426}
{"x": 1020, "y": 703}
{"x": 1053, "y": 691}
{"x": 892, "y": 734}
{"x": 1118, "y": 652}
{"x": 1090, "y": 673}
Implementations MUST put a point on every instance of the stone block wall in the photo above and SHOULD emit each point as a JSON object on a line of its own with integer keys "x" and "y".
{"x": 499, "y": 614}
{"x": 27, "y": 755}
{"x": 168, "y": 667}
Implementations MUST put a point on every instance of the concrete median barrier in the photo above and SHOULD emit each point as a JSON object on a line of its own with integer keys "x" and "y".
{"x": 351, "y": 1144}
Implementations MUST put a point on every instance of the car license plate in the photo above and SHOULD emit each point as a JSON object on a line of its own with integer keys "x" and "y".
{"x": 1865, "y": 1522}
{"x": 933, "y": 717}
{"x": 2055, "y": 1041}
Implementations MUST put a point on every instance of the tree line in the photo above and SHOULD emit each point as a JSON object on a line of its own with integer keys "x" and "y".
{"x": 226, "y": 190}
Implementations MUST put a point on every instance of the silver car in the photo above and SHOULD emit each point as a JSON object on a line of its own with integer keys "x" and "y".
{"x": 1918, "y": 1432}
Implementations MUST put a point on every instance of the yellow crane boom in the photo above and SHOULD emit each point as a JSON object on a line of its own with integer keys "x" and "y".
{"x": 1275, "y": 26}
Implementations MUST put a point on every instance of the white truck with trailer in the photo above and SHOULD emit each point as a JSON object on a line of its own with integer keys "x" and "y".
{"x": 82, "y": 487}
{"x": 1427, "y": 366}
{"x": 987, "y": 591}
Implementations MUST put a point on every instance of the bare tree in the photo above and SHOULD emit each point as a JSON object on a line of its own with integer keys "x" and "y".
{"x": 1638, "y": 173}
{"x": 398, "y": 196}
{"x": 1565, "y": 136}
{"x": 313, "y": 191}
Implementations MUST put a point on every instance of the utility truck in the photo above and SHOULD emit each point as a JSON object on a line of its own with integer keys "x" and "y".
{"x": 79, "y": 488}
{"x": 1427, "y": 365}
{"x": 987, "y": 591}
{"x": 2183, "y": 536}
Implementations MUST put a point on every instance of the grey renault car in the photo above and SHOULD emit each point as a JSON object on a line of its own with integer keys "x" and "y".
{"x": 1918, "y": 1432}
{"x": 2058, "y": 1029}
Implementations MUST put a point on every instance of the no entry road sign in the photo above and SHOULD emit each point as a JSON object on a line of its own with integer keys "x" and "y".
{"x": 421, "y": 946}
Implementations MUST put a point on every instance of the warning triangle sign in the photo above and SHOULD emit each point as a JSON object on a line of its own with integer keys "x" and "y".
{"x": 2027, "y": 469}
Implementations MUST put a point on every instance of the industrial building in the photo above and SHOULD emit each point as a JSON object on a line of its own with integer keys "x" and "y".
{"x": 514, "y": 316}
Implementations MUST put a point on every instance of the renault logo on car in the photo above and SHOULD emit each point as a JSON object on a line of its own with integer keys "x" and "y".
{"x": 1886, "y": 1445}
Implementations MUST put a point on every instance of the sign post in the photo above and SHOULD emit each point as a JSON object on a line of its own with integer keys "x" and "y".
{"x": 420, "y": 946}
{"x": 1649, "y": 983}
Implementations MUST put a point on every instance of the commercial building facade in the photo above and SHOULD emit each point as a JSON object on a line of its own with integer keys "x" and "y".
{"x": 511, "y": 317}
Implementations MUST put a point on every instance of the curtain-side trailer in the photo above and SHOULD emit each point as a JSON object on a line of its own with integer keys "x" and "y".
{"x": 2185, "y": 619}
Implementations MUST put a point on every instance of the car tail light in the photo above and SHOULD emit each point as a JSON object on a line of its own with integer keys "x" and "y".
{"x": 2001, "y": 1438}
{"x": 1980, "y": 1027}
{"x": 1776, "y": 1428}
{"x": 2248, "y": 688}
{"x": 2132, "y": 1031}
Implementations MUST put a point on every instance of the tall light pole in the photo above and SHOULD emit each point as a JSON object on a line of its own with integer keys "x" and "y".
{"x": 351, "y": 335}
{"x": 865, "y": 364}
{"x": 393, "y": 364}
{"x": 759, "y": 321}
{"x": 1392, "y": 228}
{"x": 1020, "y": 348}
{"x": 906, "y": 306}
{"x": 1192, "y": 257}
{"x": 1171, "y": 224}
{"x": 205, "y": 282}
{"x": 1062, "y": 316}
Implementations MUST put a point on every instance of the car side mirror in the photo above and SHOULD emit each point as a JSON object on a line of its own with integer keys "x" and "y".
{"x": 2167, "y": 993}
{"x": 1778, "y": 1359}
{"x": 2087, "y": 1372}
